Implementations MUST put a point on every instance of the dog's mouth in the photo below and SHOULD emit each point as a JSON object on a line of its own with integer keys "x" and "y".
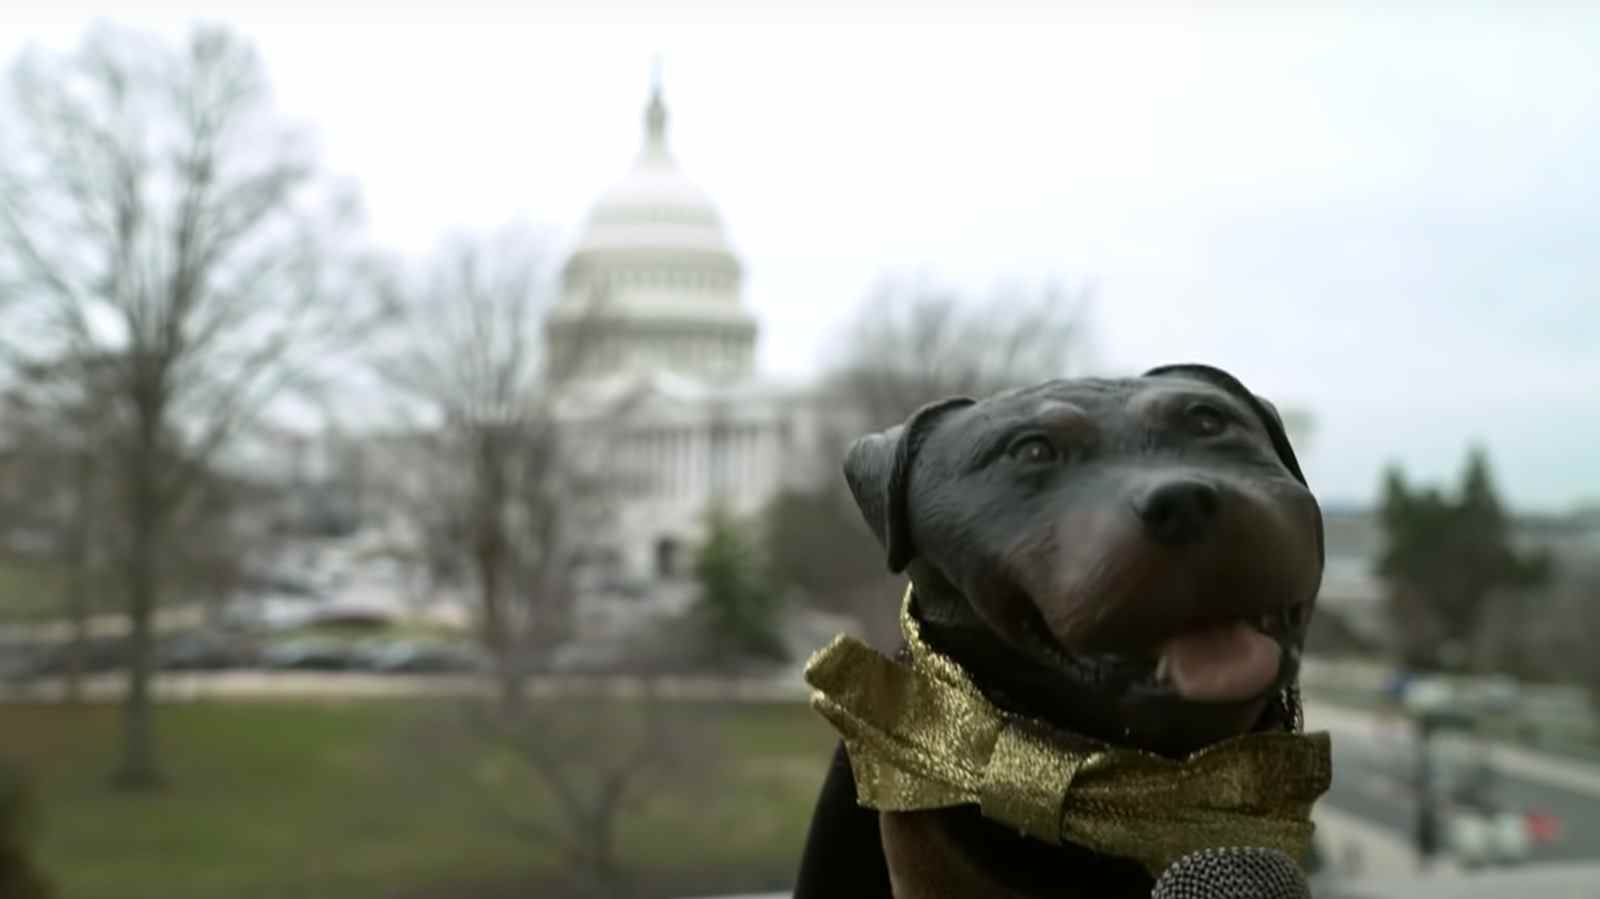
{"x": 1235, "y": 661}
{"x": 1222, "y": 661}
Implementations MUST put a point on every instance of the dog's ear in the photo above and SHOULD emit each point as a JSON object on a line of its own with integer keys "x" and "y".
{"x": 878, "y": 467}
{"x": 1264, "y": 409}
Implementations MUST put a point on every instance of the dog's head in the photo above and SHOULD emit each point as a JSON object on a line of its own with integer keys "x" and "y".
{"x": 1135, "y": 559}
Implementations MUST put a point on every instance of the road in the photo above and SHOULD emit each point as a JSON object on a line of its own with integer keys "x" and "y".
{"x": 1368, "y": 782}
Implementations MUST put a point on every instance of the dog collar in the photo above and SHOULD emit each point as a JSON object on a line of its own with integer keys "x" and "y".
{"x": 921, "y": 735}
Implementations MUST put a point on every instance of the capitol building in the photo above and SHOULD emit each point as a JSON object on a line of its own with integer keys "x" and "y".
{"x": 653, "y": 354}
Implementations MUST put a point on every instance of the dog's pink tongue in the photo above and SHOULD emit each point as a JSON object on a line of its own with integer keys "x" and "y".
{"x": 1220, "y": 664}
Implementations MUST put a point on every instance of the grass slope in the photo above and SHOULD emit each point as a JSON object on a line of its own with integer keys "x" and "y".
{"x": 384, "y": 799}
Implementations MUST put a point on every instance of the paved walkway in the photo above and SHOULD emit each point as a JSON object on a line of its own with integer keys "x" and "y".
{"x": 1556, "y": 771}
{"x": 270, "y": 685}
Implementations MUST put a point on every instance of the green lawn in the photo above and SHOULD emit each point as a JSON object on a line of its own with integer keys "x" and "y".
{"x": 395, "y": 799}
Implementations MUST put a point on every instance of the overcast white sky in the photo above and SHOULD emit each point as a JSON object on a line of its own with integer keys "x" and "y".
{"x": 1393, "y": 220}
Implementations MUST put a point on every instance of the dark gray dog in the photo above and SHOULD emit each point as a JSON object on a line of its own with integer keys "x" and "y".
{"x": 1133, "y": 560}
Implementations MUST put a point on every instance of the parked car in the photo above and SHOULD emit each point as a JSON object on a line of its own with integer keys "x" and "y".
{"x": 1495, "y": 693}
{"x": 100, "y": 655}
{"x": 1488, "y": 837}
{"x": 311, "y": 654}
{"x": 431, "y": 656}
{"x": 16, "y": 664}
{"x": 205, "y": 651}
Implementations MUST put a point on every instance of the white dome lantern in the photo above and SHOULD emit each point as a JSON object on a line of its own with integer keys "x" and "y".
{"x": 655, "y": 205}
{"x": 652, "y": 283}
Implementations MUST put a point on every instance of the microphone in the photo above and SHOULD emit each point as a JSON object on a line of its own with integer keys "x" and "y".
{"x": 1236, "y": 873}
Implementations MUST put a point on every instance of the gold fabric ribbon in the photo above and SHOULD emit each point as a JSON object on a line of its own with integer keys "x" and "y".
{"x": 922, "y": 736}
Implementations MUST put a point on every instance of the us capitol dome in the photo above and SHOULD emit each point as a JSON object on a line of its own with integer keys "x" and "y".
{"x": 652, "y": 353}
{"x": 653, "y": 282}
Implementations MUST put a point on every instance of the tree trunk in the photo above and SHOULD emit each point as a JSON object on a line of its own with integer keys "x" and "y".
{"x": 496, "y": 626}
{"x": 78, "y": 584}
{"x": 492, "y": 552}
{"x": 605, "y": 870}
{"x": 138, "y": 770}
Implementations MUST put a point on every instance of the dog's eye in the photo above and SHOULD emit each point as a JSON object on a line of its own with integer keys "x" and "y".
{"x": 1205, "y": 420}
{"x": 1033, "y": 450}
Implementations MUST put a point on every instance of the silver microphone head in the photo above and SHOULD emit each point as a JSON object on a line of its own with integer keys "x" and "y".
{"x": 1233, "y": 874}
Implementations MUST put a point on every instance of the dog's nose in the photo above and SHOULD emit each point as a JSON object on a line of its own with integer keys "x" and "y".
{"x": 1178, "y": 512}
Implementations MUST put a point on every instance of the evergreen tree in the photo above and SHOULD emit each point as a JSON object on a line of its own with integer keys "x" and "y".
{"x": 1446, "y": 558}
{"x": 739, "y": 600}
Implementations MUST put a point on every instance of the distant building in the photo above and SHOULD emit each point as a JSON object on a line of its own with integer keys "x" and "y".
{"x": 653, "y": 351}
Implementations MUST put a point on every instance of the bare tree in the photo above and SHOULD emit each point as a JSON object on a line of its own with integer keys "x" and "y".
{"x": 161, "y": 226}
{"x": 916, "y": 340}
{"x": 502, "y": 495}
{"x": 599, "y": 759}
{"x": 913, "y": 341}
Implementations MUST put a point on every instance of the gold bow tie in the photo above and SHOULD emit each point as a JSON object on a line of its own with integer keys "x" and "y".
{"x": 921, "y": 736}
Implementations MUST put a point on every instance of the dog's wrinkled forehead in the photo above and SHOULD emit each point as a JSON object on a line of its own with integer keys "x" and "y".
{"x": 878, "y": 466}
{"x": 1108, "y": 415}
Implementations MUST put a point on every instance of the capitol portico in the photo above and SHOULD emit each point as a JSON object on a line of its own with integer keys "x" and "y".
{"x": 654, "y": 352}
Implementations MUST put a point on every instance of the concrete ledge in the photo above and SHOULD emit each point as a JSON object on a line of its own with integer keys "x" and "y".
{"x": 1546, "y": 881}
